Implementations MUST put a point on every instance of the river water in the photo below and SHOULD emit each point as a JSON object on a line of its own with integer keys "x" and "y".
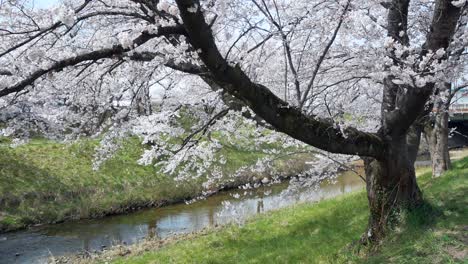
{"x": 35, "y": 245}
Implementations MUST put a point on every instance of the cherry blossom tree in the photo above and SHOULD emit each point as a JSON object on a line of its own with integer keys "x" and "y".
{"x": 348, "y": 77}
{"x": 436, "y": 128}
{"x": 436, "y": 124}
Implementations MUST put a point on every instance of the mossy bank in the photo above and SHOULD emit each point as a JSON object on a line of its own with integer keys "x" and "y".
{"x": 50, "y": 182}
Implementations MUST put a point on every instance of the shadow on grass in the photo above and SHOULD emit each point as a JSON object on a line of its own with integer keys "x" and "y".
{"x": 421, "y": 237}
{"x": 26, "y": 191}
{"x": 325, "y": 237}
{"x": 322, "y": 233}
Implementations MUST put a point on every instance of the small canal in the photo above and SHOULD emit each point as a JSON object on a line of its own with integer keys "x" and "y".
{"x": 35, "y": 245}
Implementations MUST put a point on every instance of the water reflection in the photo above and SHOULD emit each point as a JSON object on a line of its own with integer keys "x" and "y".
{"x": 34, "y": 246}
{"x": 260, "y": 206}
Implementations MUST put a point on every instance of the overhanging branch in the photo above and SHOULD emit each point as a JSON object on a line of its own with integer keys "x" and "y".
{"x": 283, "y": 117}
{"x": 91, "y": 56}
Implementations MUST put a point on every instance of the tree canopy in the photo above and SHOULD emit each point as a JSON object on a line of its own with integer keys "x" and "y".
{"x": 348, "y": 77}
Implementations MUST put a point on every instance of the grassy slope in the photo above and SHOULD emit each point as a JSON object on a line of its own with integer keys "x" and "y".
{"x": 47, "y": 182}
{"x": 321, "y": 233}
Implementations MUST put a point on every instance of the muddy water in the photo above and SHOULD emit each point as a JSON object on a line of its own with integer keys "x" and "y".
{"x": 37, "y": 244}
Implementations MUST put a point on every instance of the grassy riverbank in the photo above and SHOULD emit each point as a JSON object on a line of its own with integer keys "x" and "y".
{"x": 323, "y": 232}
{"x": 48, "y": 182}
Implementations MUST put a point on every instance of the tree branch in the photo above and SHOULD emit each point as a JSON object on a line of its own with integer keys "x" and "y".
{"x": 284, "y": 118}
{"x": 41, "y": 32}
{"x": 410, "y": 105}
{"x": 93, "y": 55}
{"x": 322, "y": 56}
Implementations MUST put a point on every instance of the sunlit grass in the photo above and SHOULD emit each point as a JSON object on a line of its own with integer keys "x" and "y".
{"x": 325, "y": 232}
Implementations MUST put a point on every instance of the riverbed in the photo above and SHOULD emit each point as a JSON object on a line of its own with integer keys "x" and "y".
{"x": 37, "y": 244}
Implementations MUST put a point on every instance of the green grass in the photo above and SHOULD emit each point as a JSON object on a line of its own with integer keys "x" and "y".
{"x": 324, "y": 232}
{"x": 437, "y": 232}
{"x": 48, "y": 182}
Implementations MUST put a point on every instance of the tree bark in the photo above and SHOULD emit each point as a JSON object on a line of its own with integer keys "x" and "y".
{"x": 391, "y": 187}
{"x": 413, "y": 140}
{"x": 437, "y": 131}
{"x": 438, "y": 134}
{"x": 391, "y": 180}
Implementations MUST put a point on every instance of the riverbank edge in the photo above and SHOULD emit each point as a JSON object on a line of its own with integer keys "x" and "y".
{"x": 152, "y": 244}
{"x": 123, "y": 252}
{"x": 281, "y": 171}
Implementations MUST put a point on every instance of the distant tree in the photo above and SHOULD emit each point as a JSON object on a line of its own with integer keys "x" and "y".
{"x": 436, "y": 127}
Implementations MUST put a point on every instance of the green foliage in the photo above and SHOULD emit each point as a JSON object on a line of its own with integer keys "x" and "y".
{"x": 323, "y": 232}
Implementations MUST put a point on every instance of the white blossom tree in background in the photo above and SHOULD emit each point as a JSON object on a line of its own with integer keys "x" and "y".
{"x": 437, "y": 122}
{"x": 348, "y": 77}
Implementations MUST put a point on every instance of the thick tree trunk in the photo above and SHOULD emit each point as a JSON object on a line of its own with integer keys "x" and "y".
{"x": 391, "y": 187}
{"x": 391, "y": 180}
{"x": 438, "y": 134}
{"x": 413, "y": 140}
{"x": 437, "y": 131}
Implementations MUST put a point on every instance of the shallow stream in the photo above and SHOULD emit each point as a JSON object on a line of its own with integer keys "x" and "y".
{"x": 35, "y": 245}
